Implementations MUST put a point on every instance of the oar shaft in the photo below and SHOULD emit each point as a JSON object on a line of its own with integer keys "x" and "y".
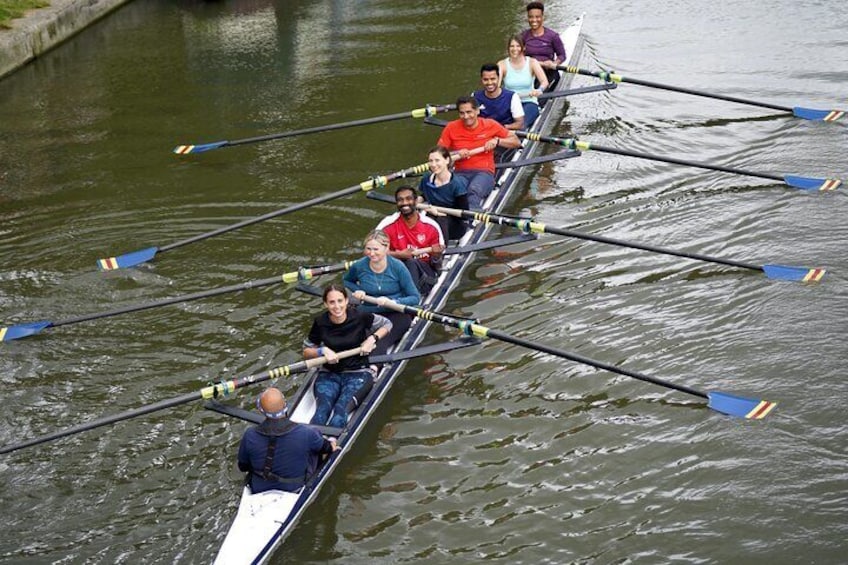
{"x": 221, "y": 389}
{"x": 105, "y": 421}
{"x": 572, "y": 143}
{"x": 652, "y": 248}
{"x": 250, "y": 221}
{"x": 169, "y": 301}
{"x": 588, "y": 361}
{"x": 294, "y": 276}
{"x": 529, "y": 226}
{"x": 417, "y": 113}
{"x": 363, "y": 186}
{"x": 619, "y": 78}
{"x": 477, "y": 330}
{"x": 320, "y": 129}
{"x": 663, "y": 159}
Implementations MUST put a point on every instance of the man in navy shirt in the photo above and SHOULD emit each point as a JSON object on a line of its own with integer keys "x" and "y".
{"x": 497, "y": 103}
{"x": 280, "y": 454}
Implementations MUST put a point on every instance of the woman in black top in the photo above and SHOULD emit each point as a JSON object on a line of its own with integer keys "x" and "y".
{"x": 341, "y": 327}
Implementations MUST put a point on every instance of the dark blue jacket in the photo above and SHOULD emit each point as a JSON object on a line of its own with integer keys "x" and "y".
{"x": 296, "y": 453}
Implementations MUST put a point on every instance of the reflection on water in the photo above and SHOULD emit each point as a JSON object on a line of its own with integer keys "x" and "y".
{"x": 495, "y": 452}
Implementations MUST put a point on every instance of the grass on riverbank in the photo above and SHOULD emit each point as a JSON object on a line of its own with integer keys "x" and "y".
{"x": 11, "y": 9}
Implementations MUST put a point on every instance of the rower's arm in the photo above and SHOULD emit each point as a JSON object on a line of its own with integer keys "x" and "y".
{"x": 511, "y": 141}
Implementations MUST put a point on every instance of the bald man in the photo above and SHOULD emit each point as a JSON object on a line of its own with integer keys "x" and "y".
{"x": 280, "y": 454}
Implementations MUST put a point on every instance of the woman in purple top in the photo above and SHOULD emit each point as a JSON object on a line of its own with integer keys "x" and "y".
{"x": 541, "y": 43}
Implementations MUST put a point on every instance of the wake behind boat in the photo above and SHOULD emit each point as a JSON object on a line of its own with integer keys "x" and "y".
{"x": 264, "y": 520}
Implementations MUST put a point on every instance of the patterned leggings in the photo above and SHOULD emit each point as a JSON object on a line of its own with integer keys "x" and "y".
{"x": 332, "y": 393}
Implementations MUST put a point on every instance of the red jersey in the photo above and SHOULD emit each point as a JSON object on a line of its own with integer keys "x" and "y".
{"x": 456, "y": 136}
{"x": 424, "y": 233}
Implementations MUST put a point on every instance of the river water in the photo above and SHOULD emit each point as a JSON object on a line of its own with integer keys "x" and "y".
{"x": 500, "y": 453}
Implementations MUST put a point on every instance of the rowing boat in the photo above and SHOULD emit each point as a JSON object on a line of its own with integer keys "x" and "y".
{"x": 264, "y": 520}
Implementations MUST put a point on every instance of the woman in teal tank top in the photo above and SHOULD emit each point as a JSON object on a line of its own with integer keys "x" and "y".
{"x": 518, "y": 73}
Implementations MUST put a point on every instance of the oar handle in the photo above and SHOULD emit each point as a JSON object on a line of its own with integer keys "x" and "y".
{"x": 456, "y": 156}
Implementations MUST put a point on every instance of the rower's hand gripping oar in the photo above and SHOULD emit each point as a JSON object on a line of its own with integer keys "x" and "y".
{"x": 303, "y": 274}
{"x": 572, "y": 143}
{"x": 719, "y": 401}
{"x": 781, "y": 272}
{"x": 417, "y": 113}
{"x": 797, "y": 111}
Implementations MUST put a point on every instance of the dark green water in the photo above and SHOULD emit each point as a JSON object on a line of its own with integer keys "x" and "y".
{"x": 495, "y": 454}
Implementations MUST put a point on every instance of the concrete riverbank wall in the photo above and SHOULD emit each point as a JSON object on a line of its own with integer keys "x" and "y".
{"x": 43, "y": 29}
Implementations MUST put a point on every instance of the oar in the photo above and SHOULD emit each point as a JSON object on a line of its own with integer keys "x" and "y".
{"x": 134, "y": 258}
{"x": 144, "y": 255}
{"x": 804, "y": 183}
{"x": 219, "y": 390}
{"x": 719, "y": 401}
{"x": 575, "y": 91}
{"x": 304, "y": 274}
{"x": 417, "y": 113}
{"x": 227, "y": 388}
{"x": 797, "y": 111}
{"x": 782, "y": 272}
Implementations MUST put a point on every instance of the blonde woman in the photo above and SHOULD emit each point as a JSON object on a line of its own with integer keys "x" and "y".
{"x": 379, "y": 275}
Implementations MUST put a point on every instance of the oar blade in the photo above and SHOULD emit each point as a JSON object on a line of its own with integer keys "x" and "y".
{"x": 739, "y": 406}
{"x": 23, "y": 330}
{"x": 127, "y": 260}
{"x": 202, "y": 148}
{"x": 812, "y": 183}
{"x": 817, "y": 115}
{"x": 787, "y": 273}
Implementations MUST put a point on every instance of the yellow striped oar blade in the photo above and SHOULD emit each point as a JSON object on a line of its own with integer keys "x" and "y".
{"x": 739, "y": 406}
{"x": 818, "y": 115}
{"x": 127, "y": 260}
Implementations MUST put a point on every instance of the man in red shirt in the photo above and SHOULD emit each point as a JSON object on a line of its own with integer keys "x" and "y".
{"x": 471, "y": 131}
{"x": 414, "y": 238}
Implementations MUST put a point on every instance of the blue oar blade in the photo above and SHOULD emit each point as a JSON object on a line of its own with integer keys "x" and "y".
{"x": 23, "y": 330}
{"x": 787, "y": 273}
{"x": 817, "y": 115}
{"x": 812, "y": 183}
{"x": 186, "y": 149}
{"x": 127, "y": 260}
{"x": 740, "y": 406}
